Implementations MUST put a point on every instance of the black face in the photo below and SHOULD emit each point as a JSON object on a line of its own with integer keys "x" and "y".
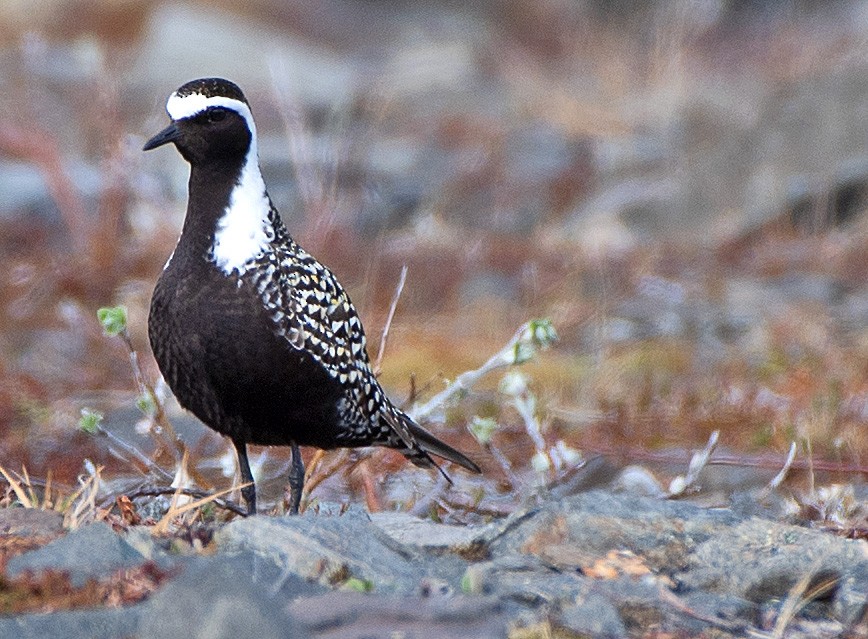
{"x": 216, "y": 135}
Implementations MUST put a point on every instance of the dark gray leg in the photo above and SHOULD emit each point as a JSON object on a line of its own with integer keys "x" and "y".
{"x": 296, "y": 479}
{"x": 248, "y": 492}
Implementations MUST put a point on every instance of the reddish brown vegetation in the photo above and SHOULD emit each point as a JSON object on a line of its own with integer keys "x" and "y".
{"x": 51, "y": 591}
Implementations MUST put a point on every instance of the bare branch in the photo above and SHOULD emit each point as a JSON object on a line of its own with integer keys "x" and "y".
{"x": 197, "y": 494}
{"x": 532, "y": 335}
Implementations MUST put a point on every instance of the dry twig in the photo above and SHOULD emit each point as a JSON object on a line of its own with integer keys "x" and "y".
{"x": 799, "y": 597}
{"x": 682, "y": 483}
{"x": 190, "y": 492}
{"x": 176, "y": 511}
{"x": 399, "y": 288}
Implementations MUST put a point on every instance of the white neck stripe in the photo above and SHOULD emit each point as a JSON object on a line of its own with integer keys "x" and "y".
{"x": 244, "y": 231}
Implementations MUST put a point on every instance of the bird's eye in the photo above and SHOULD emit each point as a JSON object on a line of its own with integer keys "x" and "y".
{"x": 209, "y": 116}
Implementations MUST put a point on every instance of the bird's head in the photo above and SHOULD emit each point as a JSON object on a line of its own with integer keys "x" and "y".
{"x": 211, "y": 123}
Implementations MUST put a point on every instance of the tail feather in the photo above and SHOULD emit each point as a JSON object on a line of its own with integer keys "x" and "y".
{"x": 418, "y": 445}
{"x": 430, "y": 445}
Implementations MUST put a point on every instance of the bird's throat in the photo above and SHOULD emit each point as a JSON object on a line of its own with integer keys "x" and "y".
{"x": 231, "y": 213}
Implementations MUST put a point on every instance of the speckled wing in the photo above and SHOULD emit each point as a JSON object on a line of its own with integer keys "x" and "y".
{"x": 313, "y": 312}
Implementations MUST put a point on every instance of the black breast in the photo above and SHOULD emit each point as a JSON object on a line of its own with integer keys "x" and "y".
{"x": 218, "y": 351}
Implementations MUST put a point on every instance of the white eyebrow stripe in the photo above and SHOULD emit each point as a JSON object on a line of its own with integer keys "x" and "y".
{"x": 180, "y": 107}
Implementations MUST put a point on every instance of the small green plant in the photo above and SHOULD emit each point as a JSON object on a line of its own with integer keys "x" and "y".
{"x": 90, "y": 421}
{"x": 483, "y": 428}
{"x": 113, "y": 320}
{"x": 147, "y": 404}
{"x": 536, "y": 334}
{"x": 358, "y": 585}
{"x": 466, "y": 584}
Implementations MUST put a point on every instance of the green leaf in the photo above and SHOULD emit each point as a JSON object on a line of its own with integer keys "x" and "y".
{"x": 113, "y": 319}
{"x": 483, "y": 428}
{"x": 145, "y": 403}
{"x": 358, "y": 585}
{"x": 542, "y": 332}
{"x": 538, "y": 333}
{"x": 467, "y": 584}
{"x": 90, "y": 420}
{"x": 207, "y": 511}
{"x": 523, "y": 352}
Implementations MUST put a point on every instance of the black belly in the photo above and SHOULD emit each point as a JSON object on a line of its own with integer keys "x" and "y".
{"x": 219, "y": 353}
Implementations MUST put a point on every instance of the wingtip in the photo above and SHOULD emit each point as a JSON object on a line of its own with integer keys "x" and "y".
{"x": 433, "y": 446}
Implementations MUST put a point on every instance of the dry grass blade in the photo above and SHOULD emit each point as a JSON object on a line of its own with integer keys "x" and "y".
{"x": 111, "y": 501}
{"x": 181, "y": 481}
{"x": 778, "y": 479}
{"x": 16, "y": 486}
{"x": 799, "y": 597}
{"x": 369, "y": 483}
{"x": 47, "y": 502}
{"x": 34, "y": 498}
{"x": 809, "y": 449}
{"x": 679, "y": 604}
{"x": 319, "y": 471}
{"x": 314, "y": 464}
{"x": 399, "y": 288}
{"x": 83, "y": 504}
{"x": 698, "y": 462}
{"x": 162, "y": 526}
{"x": 504, "y": 464}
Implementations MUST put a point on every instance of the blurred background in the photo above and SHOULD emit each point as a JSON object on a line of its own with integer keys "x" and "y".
{"x": 679, "y": 186}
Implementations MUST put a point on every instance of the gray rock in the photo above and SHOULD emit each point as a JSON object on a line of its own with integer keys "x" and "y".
{"x": 721, "y": 610}
{"x": 762, "y": 562}
{"x": 567, "y": 531}
{"x": 109, "y": 623}
{"x": 592, "y": 615}
{"x": 30, "y": 522}
{"x": 332, "y": 549}
{"x": 92, "y": 551}
{"x": 220, "y": 596}
{"x": 646, "y": 603}
{"x": 350, "y": 615}
{"x": 597, "y": 472}
{"x": 523, "y": 580}
{"x": 429, "y": 536}
{"x": 763, "y": 504}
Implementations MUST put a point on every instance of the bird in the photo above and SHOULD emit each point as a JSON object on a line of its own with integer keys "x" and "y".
{"x": 253, "y": 334}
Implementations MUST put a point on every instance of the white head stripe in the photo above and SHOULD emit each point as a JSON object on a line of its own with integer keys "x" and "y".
{"x": 185, "y": 106}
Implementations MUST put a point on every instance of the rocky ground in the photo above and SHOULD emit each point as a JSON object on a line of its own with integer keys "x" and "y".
{"x": 597, "y": 563}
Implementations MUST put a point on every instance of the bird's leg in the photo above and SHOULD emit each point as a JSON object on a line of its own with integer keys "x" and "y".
{"x": 248, "y": 492}
{"x": 296, "y": 479}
